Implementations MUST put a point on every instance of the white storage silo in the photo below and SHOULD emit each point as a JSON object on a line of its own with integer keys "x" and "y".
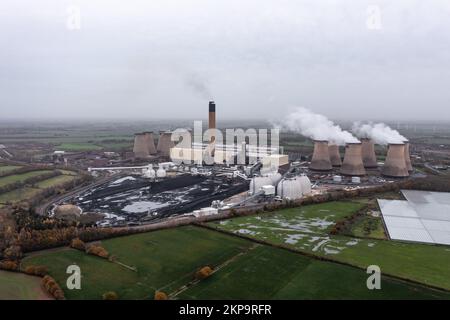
{"x": 290, "y": 188}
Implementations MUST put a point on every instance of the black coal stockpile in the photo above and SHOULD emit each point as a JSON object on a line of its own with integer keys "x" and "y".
{"x": 155, "y": 187}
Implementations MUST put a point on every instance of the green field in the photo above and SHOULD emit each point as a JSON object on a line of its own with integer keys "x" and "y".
{"x": 21, "y": 177}
{"x": 271, "y": 273}
{"x": 18, "y": 194}
{"x": 166, "y": 260}
{"x": 54, "y": 181}
{"x": 81, "y": 146}
{"x": 307, "y": 229}
{"x": 7, "y": 168}
{"x": 368, "y": 227}
{"x": 28, "y": 192}
{"x": 18, "y": 286}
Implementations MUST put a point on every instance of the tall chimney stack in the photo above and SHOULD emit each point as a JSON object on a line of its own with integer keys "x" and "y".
{"x": 353, "y": 164}
{"x": 335, "y": 156}
{"x": 395, "y": 163}
{"x": 368, "y": 153}
{"x": 212, "y": 118}
{"x": 408, "y": 157}
{"x": 321, "y": 157}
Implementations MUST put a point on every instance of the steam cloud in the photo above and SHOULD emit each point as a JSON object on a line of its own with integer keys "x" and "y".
{"x": 380, "y": 133}
{"x": 317, "y": 127}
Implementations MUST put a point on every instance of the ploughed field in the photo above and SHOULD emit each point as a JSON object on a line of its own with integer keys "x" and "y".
{"x": 307, "y": 229}
{"x": 167, "y": 260}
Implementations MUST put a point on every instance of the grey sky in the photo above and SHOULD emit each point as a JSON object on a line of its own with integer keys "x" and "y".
{"x": 160, "y": 59}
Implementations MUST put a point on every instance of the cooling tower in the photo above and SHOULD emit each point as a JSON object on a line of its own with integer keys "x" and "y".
{"x": 408, "y": 157}
{"x": 321, "y": 157}
{"x": 353, "y": 164}
{"x": 140, "y": 148}
{"x": 165, "y": 143}
{"x": 150, "y": 142}
{"x": 395, "y": 163}
{"x": 368, "y": 153}
{"x": 335, "y": 156}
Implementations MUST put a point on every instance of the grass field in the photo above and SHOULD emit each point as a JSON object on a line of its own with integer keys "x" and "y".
{"x": 27, "y": 192}
{"x": 81, "y": 146}
{"x": 54, "y": 181}
{"x": 18, "y": 194}
{"x": 271, "y": 273}
{"x": 164, "y": 259}
{"x": 7, "y": 168}
{"x": 21, "y": 177}
{"x": 307, "y": 229}
{"x": 18, "y": 286}
{"x": 368, "y": 227}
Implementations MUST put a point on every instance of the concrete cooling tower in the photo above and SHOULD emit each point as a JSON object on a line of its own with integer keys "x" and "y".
{"x": 321, "y": 157}
{"x": 150, "y": 142}
{"x": 408, "y": 157}
{"x": 335, "y": 156}
{"x": 395, "y": 163}
{"x": 353, "y": 164}
{"x": 368, "y": 153}
{"x": 165, "y": 143}
{"x": 140, "y": 148}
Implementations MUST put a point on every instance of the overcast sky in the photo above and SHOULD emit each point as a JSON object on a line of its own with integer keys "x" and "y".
{"x": 256, "y": 58}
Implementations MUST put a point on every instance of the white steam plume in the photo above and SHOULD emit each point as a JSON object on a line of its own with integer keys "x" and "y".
{"x": 380, "y": 133}
{"x": 317, "y": 127}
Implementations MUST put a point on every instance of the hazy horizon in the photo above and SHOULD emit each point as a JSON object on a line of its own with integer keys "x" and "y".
{"x": 150, "y": 60}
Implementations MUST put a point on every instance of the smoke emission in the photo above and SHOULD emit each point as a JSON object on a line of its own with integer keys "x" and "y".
{"x": 317, "y": 127}
{"x": 380, "y": 133}
{"x": 198, "y": 86}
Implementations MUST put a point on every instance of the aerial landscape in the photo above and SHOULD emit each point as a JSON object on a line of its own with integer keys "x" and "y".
{"x": 189, "y": 151}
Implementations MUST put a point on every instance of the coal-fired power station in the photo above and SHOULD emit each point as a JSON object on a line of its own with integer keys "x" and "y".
{"x": 395, "y": 163}
{"x": 321, "y": 157}
{"x": 353, "y": 164}
{"x": 368, "y": 154}
{"x": 335, "y": 156}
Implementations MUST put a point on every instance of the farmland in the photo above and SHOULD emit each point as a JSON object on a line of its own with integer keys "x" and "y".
{"x": 167, "y": 260}
{"x": 307, "y": 229}
{"x": 28, "y": 191}
{"x": 20, "y": 286}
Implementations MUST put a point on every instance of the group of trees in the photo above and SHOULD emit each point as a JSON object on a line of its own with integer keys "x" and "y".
{"x": 40, "y": 271}
{"x": 97, "y": 250}
{"x": 52, "y": 287}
